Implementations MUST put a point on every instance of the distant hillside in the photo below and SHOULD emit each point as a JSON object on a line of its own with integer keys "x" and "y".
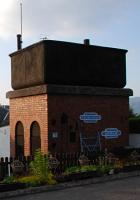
{"x": 135, "y": 104}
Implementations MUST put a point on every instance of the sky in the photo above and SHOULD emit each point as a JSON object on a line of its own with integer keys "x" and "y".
{"x": 110, "y": 23}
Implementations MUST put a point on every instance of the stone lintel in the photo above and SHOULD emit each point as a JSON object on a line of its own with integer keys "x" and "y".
{"x": 69, "y": 90}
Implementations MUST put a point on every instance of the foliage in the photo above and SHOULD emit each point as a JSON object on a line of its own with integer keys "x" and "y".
{"x": 78, "y": 169}
{"x": 9, "y": 179}
{"x": 131, "y": 113}
{"x": 132, "y": 159}
{"x": 104, "y": 164}
{"x": 104, "y": 169}
{"x": 39, "y": 167}
{"x": 39, "y": 170}
{"x": 88, "y": 168}
{"x": 31, "y": 180}
{"x": 36, "y": 180}
{"x": 134, "y": 121}
{"x": 134, "y": 124}
{"x": 118, "y": 164}
{"x": 51, "y": 179}
{"x": 73, "y": 169}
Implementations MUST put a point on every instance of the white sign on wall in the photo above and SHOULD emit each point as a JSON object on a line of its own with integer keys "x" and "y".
{"x": 54, "y": 134}
{"x": 111, "y": 133}
{"x": 90, "y": 117}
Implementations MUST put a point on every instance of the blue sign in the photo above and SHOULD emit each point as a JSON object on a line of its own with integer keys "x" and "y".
{"x": 90, "y": 117}
{"x": 111, "y": 133}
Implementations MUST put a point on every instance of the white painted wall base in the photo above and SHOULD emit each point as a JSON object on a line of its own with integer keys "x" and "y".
{"x": 5, "y": 141}
{"x": 134, "y": 140}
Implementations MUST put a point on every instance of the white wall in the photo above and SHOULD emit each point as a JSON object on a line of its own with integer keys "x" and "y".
{"x": 5, "y": 141}
{"x": 134, "y": 140}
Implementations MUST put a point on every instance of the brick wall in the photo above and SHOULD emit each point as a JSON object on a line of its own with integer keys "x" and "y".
{"x": 113, "y": 110}
{"x": 27, "y": 110}
{"x": 48, "y": 110}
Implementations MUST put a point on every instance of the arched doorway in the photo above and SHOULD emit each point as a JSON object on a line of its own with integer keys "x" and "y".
{"x": 35, "y": 139}
{"x": 19, "y": 139}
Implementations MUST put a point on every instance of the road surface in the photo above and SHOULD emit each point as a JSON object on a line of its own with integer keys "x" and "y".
{"x": 126, "y": 189}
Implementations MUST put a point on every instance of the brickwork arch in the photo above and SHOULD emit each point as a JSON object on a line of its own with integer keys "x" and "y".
{"x": 19, "y": 139}
{"x": 35, "y": 137}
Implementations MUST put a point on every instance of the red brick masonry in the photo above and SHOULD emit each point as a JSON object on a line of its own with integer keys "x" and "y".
{"x": 27, "y": 110}
{"x": 48, "y": 109}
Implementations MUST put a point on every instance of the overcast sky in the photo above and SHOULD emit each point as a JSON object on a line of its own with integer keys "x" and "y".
{"x": 113, "y": 23}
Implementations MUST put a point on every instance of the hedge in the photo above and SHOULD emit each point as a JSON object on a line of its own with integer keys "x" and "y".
{"x": 134, "y": 125}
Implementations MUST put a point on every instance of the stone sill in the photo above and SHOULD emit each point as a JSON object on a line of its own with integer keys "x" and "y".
{"x": 69, "y": 90}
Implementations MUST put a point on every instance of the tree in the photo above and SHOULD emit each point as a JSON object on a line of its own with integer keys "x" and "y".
{"x": 134, "y": 122}
{"x": 132, "y": 114}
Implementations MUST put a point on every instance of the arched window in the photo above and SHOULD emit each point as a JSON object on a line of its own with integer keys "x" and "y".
{"x": 35, "y": 140}
{"x": 19, "y": 139}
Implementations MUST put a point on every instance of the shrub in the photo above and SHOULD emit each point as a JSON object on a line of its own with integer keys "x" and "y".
{"x": 73, "y": 169}
{"x": 36, "y": 180}
{"x": 77, "y": 169}
{"x": 134, "y": 124}
{"x": 88, "y": 168}
{"x": 39, "y": 168}
{"x": 9, "y": 179}
{"x": 104, "y": 169}
{"x": 31, "y": 180}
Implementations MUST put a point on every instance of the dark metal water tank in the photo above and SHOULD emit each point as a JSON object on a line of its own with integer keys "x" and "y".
{"x": 64, "y": 63}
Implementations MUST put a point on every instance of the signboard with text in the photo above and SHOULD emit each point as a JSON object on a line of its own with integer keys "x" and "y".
{"x": 111, "y": 133}
{"x": 90, "y": 117}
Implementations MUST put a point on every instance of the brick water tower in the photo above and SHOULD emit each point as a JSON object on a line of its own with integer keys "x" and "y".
{"x": 63, "y": 92}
